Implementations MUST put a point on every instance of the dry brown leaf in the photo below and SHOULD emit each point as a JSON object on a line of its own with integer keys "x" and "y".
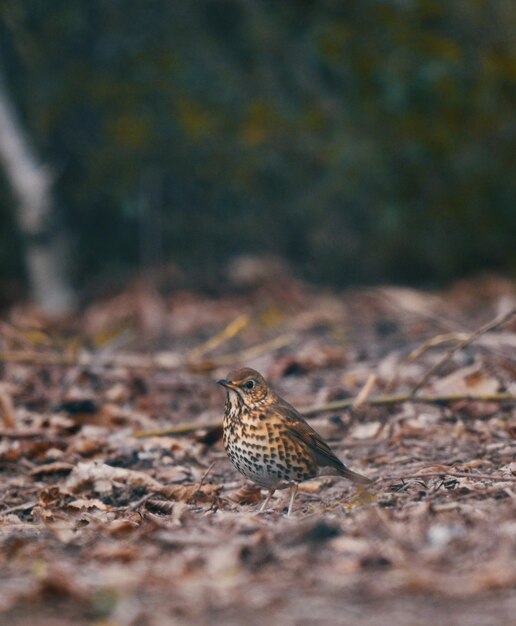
{"x": 365, "y": 431}
{"x": 311, "y": 357}
{"x": 124, "y": 527}
{"x": 473, "y": 464}
{"x": 59, "y": 467}
{"x": 51, "y": 497}
{"x": 102, "y": 477}
{"x": 466, "y": 380}
{"x": 247, "y": 494}
{"x": 115, "y": 552}
{"x": 87, "y": 503}
{"x": 191, "y": 493}
{"x": 161, "y": 506}
{"x": 88, "y": 447}
{"x": 312, "y": 486}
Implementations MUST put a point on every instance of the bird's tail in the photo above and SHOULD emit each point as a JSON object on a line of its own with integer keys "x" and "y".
{"x": 353, "y": 476}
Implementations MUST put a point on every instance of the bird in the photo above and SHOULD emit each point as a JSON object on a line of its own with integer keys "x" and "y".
{"x": 269, "y": 442}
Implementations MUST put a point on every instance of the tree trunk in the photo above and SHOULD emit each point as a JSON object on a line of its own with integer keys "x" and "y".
{"x": 31, "y": 184}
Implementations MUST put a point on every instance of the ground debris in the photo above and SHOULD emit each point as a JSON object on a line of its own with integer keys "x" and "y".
{"x": 100, "y": 524}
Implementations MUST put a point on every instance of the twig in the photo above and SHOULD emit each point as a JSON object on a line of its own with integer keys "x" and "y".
{"x": 201, "y": 482}
{"x": 435, "y": 341}
{"x": 182, "y": 429}
{"x": 244, "y": 355}
{"x": 29, "y": 434}
{"x": 452, "y": 474}
{"x": 134, "y": 505}
{"x": 230, "y": 331}
{"x": 7, "y": 412}
{"x": 19, "y": 507}
{"x": 413, "y": 306}
{"x": 496, "y": 323}
{"x": 186, "y": 429}
{"x": 365, "y": 391}
{"x": 419, "y": 351}
{"x": 408, "y": 397}
{"x": 159, "y": 360}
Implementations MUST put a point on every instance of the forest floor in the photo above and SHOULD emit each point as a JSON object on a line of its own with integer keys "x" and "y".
{"x": 119, "y": 507}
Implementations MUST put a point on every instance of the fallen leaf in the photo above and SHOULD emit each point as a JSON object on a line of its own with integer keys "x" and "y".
{"x": 466, "y": 380}
{"x": 87, "y": 503}
{"x": 103, "y": 476}
{"x": 59, "y": 467}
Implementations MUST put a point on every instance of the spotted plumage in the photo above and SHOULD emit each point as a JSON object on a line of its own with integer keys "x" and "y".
{"x": 269, "y": 442}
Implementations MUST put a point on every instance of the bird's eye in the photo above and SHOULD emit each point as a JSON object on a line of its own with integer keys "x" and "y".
{"x": 249, "y": 384}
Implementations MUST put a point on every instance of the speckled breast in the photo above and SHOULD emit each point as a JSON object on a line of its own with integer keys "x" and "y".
{"x": 262, "y": 450}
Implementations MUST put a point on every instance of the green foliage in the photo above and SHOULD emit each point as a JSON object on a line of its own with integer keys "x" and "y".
{"x": 366, "y": 141}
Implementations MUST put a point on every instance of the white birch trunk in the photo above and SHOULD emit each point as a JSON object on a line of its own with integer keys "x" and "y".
{"x": 31, "y": 184}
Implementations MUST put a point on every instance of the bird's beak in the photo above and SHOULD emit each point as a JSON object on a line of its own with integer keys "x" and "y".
{"x": 226, "y": 383}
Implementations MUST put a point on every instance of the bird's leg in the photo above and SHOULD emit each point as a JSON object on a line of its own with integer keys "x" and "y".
{"x": 293, "y": 491}
{"x": 267, "y": 500}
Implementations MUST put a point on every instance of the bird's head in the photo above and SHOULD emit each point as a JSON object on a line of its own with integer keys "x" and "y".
{"x": 248, "y": 386}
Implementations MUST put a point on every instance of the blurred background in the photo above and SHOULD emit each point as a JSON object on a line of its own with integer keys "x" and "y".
{"x": 361, "y": 142}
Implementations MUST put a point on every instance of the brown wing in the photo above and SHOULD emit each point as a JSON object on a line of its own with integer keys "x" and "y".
{"x": 308, "y": 437}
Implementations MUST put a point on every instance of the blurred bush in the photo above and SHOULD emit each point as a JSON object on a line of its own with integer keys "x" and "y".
{"x": 364, "y": 141}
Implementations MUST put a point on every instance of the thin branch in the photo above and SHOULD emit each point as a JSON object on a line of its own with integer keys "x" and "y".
{"x": 201, "y": 482}
{"x": 157, "y": 361}
{"x": 19, "y": 507}
{"x": 30, "y": 433}
{"x": 7, "y": 412}
{"x": 132, "y": 506}
{"x": 177, "y": 431}
{"x": 496, "y": 323}
{"x": 408, "y": 397}
{"x": 186, "y": 429}
{"x": 227, "y": 333}
{"x": 435, "y": 341}
{"x": 160, "y": 360}
{"x": 452, "y": 474}
{"x": 365, "y": 392}
{"x": 248, "y": 353}
{"x": 419, "y": 351}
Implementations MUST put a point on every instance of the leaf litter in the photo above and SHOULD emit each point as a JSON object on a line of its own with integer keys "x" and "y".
{"x": 107, "y": 519}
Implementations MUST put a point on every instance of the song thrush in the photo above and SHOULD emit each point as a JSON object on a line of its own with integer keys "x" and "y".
{"x": 269, "y": 442}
